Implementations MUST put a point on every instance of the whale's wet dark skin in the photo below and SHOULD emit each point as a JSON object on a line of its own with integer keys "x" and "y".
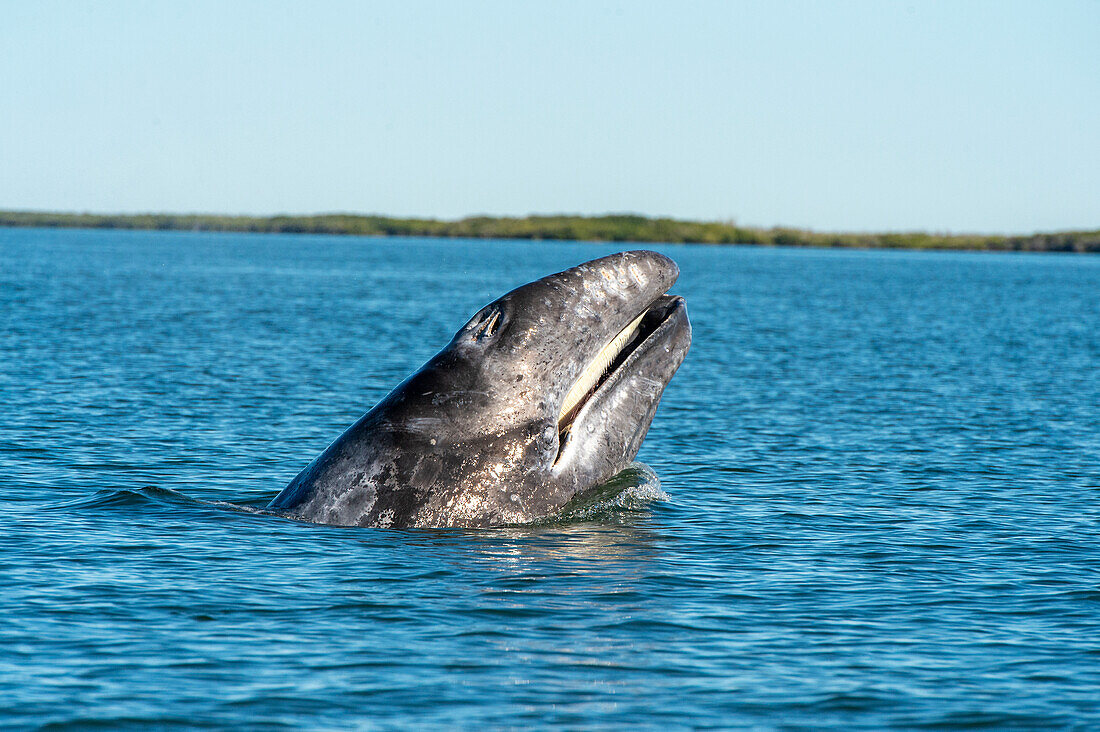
{"x": 545, "y": 393}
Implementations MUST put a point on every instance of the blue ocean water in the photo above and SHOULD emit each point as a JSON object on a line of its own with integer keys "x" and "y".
{"x": 878, "y": 506}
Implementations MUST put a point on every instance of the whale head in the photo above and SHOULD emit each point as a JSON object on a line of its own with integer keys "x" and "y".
{"x": 546, "y": 392}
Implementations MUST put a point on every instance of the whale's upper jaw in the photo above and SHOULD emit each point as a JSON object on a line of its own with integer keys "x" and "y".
{"x": 534, "y": 352}
{"x": 584, "y": 356}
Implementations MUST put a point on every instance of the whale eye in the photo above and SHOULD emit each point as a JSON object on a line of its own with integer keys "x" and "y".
{"x": 486, "y": 326}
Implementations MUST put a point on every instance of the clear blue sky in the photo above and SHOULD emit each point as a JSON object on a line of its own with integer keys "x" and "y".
{"x": 945, "y": 116}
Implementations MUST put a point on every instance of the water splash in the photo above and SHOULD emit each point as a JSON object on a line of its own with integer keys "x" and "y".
{"x": 632, "y": 491}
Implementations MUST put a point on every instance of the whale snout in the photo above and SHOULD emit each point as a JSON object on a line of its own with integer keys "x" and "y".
{"x": 638, "y": 273}
{"x": 663, "y": 268}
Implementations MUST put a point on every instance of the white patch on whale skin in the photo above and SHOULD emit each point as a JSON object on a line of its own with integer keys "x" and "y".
{"x": 467, "y": 506}
{"x": 424, "y": 424}
{"x": 349, "y": 507}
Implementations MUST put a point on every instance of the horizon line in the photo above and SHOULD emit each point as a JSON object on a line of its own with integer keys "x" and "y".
{"x": 730, "y": 222}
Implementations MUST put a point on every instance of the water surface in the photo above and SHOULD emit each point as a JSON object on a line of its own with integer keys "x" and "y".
{"x": 878, "y": 505}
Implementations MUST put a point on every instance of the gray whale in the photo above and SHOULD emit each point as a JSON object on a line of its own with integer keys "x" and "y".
{"x": 545, "y": 393}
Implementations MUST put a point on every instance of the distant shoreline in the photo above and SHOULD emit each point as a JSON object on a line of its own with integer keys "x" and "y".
{"x": 611, "y": 228}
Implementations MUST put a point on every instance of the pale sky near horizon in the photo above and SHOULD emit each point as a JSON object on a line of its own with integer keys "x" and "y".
{"x": 940, "y": 116}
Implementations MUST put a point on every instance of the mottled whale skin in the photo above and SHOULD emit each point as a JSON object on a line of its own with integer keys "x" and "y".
{"x": 476, "y": 436}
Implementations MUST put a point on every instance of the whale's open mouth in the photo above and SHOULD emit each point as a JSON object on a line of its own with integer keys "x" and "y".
{"x": 613, "y": 357}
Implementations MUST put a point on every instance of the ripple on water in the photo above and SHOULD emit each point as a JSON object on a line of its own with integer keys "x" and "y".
{"x": 875, "y": 506}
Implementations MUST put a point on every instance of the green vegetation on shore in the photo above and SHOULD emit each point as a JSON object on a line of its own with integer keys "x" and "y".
{"x": 619, "y": 228}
